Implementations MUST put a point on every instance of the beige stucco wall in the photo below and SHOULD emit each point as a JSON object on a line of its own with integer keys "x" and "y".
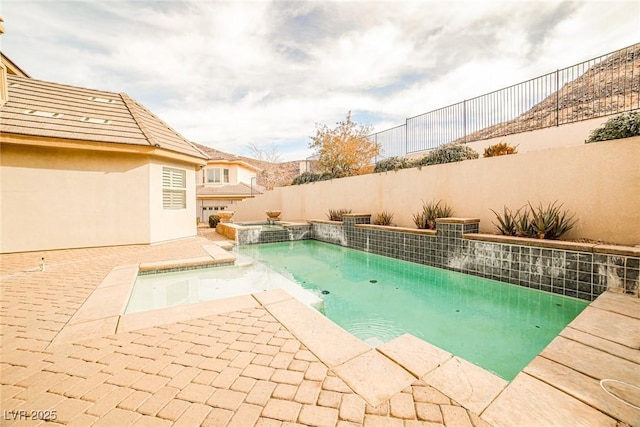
{"x": 600, "y": 182}
{"x": 71, "y": 198}
{"x": 169, "y": 224}
{"x": 245, "y": 175}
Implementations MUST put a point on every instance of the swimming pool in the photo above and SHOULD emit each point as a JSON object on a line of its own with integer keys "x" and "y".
{"x": 498, "y": 326}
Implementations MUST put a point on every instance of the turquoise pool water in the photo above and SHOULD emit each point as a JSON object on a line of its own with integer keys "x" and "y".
{"x": 498, "y": 326}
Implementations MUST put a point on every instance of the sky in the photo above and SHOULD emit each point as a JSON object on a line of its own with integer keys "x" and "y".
{"x": 231, "y": 74}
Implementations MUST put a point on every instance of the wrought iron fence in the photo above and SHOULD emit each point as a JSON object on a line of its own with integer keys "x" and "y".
{"x": 608, "y": 84}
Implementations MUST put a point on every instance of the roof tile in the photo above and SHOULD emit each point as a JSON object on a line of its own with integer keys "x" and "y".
{"x": 87, "y": 115}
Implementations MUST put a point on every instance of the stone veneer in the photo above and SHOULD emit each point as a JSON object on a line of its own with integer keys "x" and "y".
{"x": 249, "y": 235}
{"x": 574, "y": 269}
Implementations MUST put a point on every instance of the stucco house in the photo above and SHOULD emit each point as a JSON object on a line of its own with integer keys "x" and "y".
{"x": 224, "y": 181}
{"x": 84, "y": 168}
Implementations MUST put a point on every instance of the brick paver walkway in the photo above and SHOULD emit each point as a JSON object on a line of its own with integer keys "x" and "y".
{"x": 242, "y": 368}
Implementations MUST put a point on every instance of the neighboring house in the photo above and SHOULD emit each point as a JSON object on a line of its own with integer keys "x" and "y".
{"x": 223, "y": 182}
{"x": 85, "y": 168}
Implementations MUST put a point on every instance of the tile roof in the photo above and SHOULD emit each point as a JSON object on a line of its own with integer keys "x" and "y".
{"x": 217, "y": 155}
{"x": 240, "y": 189}
{"x": 46, "y": 109}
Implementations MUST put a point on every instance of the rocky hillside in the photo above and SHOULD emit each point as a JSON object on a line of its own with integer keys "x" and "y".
{"x": 607, "y": 87}
{"x": 275, "y": 174}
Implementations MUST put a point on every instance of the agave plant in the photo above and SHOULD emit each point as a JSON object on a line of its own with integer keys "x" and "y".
{"x": 507, "y": 222}
{"x": 419, "y": 220}
{"x": 337, "y": 214}
{"x": 430, "y": 212}
{"x": 523, "y": 223}
{"x": 550, "y": 222}
{"x": 383, "y": 218}
{"x": 444, "y": 211}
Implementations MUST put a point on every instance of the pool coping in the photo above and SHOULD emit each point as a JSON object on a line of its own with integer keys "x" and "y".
{"x": 103, "y": 312}
{"x": 376, "y": 374}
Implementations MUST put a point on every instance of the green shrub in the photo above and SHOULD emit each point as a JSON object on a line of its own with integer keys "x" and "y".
{"x": 213, "y": 220}
{"x": 447, "y": 153}
{"x": 500, "y": 149}
{"x": 307, "y": 177}
{"x": 430, "y": 212}
{"x": 383, "y": 218}
{"x": 623, "y": 126}
{"x": 548, "y": 222}
{"x": 337, "y": 214}
{"x": 325, "y": 176}
{"x": 392, "y": 164}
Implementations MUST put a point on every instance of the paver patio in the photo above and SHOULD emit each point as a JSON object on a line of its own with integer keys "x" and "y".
{"x": 239, "y": 368}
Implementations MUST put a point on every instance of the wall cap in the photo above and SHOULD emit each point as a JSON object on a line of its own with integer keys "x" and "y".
{"x": 324, "y": 221}
{"x": 633, "y": 251}
{"x": 293, "y": 224}
{"x": 398, "y": 229}
{"x": 526, "y": 241}
{"x": 556, "y": 244}
{"x": 356, "y": 215}
{"x": 455, "y": 220}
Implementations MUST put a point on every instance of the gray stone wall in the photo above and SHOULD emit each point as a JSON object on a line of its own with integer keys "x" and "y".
{"x": 575, "y": 273}
{"x": 329, "y": 233}
{"x": 255, "y": 234}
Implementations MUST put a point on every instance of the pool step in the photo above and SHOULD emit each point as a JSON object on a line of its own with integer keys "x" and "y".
{"x": 219, "y": 254}
{"x": 225, "y": 244}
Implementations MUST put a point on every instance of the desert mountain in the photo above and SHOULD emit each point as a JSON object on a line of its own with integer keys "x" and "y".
{"x": 606, "y": 87}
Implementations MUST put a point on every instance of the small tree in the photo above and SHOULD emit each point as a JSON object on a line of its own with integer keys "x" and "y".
{"x": 345, "y": 150}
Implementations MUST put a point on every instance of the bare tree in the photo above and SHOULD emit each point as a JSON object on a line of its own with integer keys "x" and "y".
{"x": 270, "y": 157}
{"x": 270, "y": 154}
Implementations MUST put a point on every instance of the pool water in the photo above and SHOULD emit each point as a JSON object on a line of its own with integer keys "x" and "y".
{"x": 498, "y": 326}
{"x": 154, "y": 291}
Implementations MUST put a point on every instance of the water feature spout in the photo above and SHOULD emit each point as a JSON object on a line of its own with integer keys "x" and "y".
{"x": 273, "y": 216}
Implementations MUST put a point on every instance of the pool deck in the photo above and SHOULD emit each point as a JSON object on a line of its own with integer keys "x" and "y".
{"x": 268, "y": 360}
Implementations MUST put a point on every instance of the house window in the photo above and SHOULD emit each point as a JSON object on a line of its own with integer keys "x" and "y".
{"x": 174, "y": 188}
{"x": 213, "y": 175}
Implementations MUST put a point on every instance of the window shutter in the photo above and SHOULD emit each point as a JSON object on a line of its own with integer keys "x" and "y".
{"x": 174, "y": 188}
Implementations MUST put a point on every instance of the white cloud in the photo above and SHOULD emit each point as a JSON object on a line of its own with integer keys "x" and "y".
{"x": 230, "y": 73}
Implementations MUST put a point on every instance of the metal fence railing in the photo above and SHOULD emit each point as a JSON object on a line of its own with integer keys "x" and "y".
{"x": 608, "y": 84}
{"x": 392, "y": 142}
